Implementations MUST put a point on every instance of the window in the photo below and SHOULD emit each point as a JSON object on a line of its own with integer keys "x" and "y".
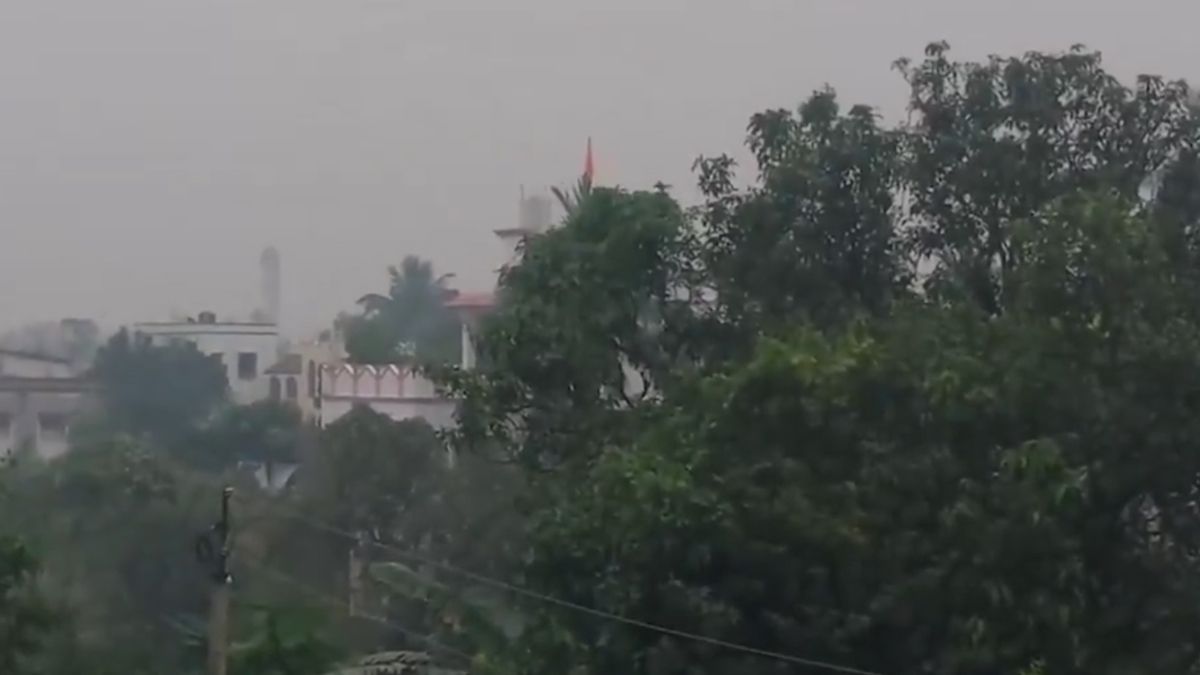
{"x": 274, "y": 388}
{"x": 52, "y": 426}
{"x": 312, "y": 379}
{"x": 293, "y": 390}
{"x": 247, "y": 366}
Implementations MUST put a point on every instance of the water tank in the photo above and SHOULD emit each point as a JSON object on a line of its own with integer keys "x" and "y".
{"x": 206, "y": 317}
{"x": 535, "y": 213}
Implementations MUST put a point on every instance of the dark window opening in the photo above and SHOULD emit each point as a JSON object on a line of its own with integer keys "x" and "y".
{"x": 293, "y": 390}
{"x": 52, "y": 424}
{"x": 247, "y": 366}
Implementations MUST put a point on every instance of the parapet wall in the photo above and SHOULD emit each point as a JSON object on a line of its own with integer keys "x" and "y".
{"x": 390, "y": 382}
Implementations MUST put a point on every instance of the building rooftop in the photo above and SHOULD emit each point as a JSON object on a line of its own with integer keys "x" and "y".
{"x": 34, "y": 356}
{"x": 197, "y": 324}
{"x": 66, "y": 385}
{"x": 513, "y": 231}
{"x": 207, "y": 318}
{"x": 472, "y": 300}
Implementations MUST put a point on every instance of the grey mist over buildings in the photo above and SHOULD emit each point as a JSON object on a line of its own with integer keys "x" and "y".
{"x": 151, "y": 148}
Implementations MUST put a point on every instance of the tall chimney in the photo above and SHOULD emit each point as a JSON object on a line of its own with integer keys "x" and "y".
{"x": 271, "y": 291}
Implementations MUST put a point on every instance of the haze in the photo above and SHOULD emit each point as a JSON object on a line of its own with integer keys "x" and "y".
{"x": 150, "y": 148}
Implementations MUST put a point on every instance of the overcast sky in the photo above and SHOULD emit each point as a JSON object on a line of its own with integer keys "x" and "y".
{"x": 149, "y": 149}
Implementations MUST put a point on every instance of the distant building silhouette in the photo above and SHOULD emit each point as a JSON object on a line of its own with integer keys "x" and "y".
{"x": 272, "y": 292}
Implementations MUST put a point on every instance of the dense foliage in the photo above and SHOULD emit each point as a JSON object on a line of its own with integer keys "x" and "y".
{"x": 158, "y": 391}
{"x": 267, "y": 433}
{"x": 916, "y": 399}
{"x": 919, "y": 399}
{"x": 24, "y": 615}
{"x": 115, "y": 523}
{"x": 379, "y": 488}
{"x": 113, "y": 526}
{"x": 410, "y": 322}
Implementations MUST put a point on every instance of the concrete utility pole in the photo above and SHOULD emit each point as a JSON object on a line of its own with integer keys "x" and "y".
{"x": 218, "y": 613}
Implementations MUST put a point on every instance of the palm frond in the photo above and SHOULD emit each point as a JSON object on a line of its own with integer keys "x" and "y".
{"x": 570, "y": 201}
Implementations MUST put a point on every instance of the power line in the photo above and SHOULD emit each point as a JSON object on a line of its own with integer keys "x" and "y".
{"x": 340, "y": 604}
{"x": 567, "y": 604}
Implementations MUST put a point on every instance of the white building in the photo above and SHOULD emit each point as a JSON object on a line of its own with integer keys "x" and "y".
{"x": 296, "y": 376}
{"x": 534, "y": 216}
{"x": 40, "y": 397}
{"x": 398, "y": 391}
{"x": 14, "y": 363}
{"x": 245, "y": 349}
{"x": 394, "y": 390}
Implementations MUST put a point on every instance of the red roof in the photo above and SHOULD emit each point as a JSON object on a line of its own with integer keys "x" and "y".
{"x": 484, "y": 300}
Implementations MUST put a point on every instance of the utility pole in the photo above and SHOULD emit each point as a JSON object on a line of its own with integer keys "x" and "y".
{"x": 218, "y": 613}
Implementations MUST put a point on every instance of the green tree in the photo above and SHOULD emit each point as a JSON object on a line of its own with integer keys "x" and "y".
{"x": 114, "y": 525}
{"x": 571, "y": 200}
{"x": 597, "y": 315}
{"x": 411, "y": 320}
{"x": 266, "y": 432}
{"x": 369, "y": 468}
{"x": 992, "y": 143}
{"x": 932, "y": 492}
{"x": 393, "y": 485}
{"x": 818, "y": 236}
{"x": 161, "y": 391}
{"x": 983, "y": 471}
{"x": 368, "y": 473}
{"x": 285, "y": 642}
{"x": 24, "y": 616}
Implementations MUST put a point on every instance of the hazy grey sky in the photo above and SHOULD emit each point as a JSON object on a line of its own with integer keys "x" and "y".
{"x": 150, "y": 148}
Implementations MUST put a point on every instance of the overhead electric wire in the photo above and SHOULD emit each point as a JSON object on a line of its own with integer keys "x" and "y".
{"x": 567, "y": 604}
{"x": 341, "y": 604}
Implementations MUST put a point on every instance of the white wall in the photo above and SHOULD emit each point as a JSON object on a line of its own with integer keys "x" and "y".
{"x": 51, "y": 442}
{"x": 395, "y": 391}
{"x": 40, "y": 414}
{"x": 8, "y": 436}
{"x": 228, "y": 340}
{"x": 21, "y": 365}
{"x": 439, "y": 414}
{"x": 314, "y": 356}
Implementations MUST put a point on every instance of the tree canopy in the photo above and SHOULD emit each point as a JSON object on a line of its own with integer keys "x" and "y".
{"x": 918, "y": 399}
{"x": 162, "y": 391}
{"x": 266, "y": 432}
{"x": 24, "y": 616}
{"x": 912, "y": 398}
{"x": 410, "y": 321}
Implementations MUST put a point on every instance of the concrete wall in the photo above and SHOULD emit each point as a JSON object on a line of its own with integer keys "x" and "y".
{"x": 314, "y": 356}
{"x": 227, "y": 341}
{"x": 39, "y": 419}
{"x": 439, "y": 414}
{"x": 395, "y": 391}
{"x": 22, "y": 365}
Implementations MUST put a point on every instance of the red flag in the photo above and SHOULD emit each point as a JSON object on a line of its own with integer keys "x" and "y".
{"x": 589, "y": 167}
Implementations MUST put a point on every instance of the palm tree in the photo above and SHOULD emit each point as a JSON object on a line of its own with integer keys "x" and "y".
{"x": 571, "y": 201}
{"x": 412, "y": 314}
